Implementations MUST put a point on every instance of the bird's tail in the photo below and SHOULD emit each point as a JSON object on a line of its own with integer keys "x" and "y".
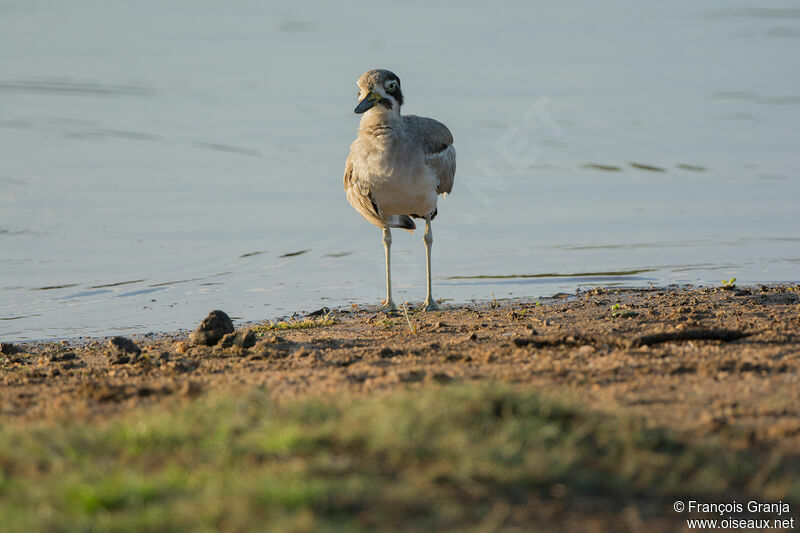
{"x": 402, "y": 221}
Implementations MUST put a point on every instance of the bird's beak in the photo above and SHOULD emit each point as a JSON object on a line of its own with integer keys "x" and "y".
{"x": 366, "y": 104}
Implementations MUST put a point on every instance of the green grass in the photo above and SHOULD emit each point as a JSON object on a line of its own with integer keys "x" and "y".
{"x": 306, "y": 323}
{"x": 439, "y": 458}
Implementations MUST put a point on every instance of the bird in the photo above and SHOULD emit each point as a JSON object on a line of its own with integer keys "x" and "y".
{"x": 397, "y": 167}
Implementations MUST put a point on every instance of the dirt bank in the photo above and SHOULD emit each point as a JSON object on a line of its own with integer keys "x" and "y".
{"x": 708, "y": 360}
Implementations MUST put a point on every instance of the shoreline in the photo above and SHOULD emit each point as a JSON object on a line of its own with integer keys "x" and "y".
{"x": 154, "y": 330}
{"x": 447, "y": 304}
{"x": 559, "y": 340}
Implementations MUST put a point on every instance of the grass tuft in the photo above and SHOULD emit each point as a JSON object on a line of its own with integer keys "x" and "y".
{"x": 306, "y": 323}
{"x": 411, "y": 327}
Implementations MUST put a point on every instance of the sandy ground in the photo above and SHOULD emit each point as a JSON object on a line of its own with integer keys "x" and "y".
{"x": 713, "y": 360}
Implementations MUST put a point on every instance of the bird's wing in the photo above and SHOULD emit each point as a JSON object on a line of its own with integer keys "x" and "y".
{"x": 437, "y": 145}
{"x": 359, "y": 196}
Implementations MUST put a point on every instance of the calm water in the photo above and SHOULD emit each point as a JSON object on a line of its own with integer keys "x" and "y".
{"x": 161, "y": 159}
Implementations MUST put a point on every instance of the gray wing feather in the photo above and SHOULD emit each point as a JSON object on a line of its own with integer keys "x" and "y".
{"x": 359, "y": 197}
{"x": 444, "y": 164}
{"x": 437, "y": 144}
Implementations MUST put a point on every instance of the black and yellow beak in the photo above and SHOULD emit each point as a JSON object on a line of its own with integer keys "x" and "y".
{"x": 366, "y": 104}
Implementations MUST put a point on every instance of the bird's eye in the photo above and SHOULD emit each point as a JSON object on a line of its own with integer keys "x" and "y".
{"x": 390, "y": 85}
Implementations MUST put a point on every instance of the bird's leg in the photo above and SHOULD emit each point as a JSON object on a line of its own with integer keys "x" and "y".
{"x": 430, "y": 304}
{"x": 387, "y": 244}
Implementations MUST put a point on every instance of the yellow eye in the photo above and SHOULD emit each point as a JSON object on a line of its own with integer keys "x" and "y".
{"x": 390, "y": 85}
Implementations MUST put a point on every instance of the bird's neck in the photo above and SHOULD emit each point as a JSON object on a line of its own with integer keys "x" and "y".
{"x": 378, "y": 120}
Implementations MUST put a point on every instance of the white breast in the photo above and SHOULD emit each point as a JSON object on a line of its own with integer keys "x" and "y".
{"x": 396, "y": 174}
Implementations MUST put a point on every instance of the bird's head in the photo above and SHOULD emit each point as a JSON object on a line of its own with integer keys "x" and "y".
{"x": 379, "y": 89}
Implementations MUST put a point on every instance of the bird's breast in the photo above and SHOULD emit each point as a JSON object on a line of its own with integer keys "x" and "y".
{"x": 396, "y": 175}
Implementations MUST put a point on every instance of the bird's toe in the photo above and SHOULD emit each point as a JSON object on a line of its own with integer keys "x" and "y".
{"x": 431, "y": 306}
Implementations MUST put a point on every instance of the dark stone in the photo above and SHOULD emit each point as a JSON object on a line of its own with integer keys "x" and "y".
{"x": 6, "y": 348}
{"x": 213, "y": 327}
{"x": 66, "y": 356}
{"x": 122, "y": 350}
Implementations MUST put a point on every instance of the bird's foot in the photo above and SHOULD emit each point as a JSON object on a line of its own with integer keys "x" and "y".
{"x": 430, "y": 305}
{"x": 388, "y": 305}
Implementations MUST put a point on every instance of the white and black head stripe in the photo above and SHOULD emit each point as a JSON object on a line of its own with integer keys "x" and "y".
{"x": 383, "y": 82}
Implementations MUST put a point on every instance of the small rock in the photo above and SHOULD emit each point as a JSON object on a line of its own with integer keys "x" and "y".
{"x": 6, "y": 348}
{"x": 244, "y": 338}
{"x": 66, "y": 356}
{"x": 122, "y": 350}
{"x": 181, "y": 347}
{"x": 213, "y": 327}
{"x": 473, "y": 337}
